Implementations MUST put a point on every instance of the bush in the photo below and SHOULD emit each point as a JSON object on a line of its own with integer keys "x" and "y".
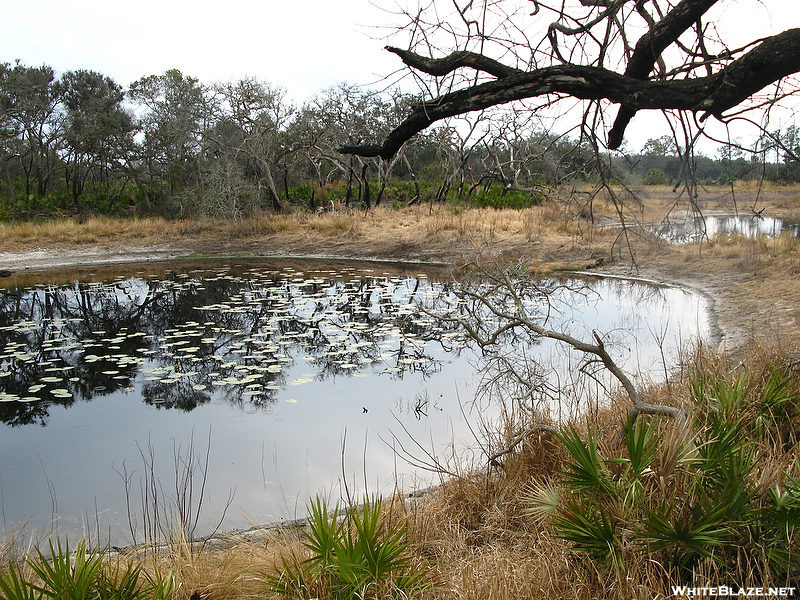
{"x": 655, "y": 177}
{"x": 498, "y": 197}
{"x": 357, "y": 556}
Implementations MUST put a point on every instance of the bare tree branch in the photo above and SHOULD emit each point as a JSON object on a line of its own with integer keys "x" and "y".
{"x": 442, "y": 66}
{"x": 727, "y": 82}
{"x": 648, "y": 50}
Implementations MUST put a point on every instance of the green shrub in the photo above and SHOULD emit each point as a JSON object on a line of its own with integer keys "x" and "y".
{"x": 655, "y": 177}
{"x": 704, "y": 490}
{"x": 359, "y": 555}
{"x": 498, "y": 197}
{"x": 82, "y": 575}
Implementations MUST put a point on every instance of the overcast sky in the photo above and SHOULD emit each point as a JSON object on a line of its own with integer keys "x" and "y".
{"x": 303, "y": 46}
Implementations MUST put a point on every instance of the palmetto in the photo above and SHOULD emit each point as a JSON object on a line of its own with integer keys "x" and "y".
{"x": 686, "y": 492}
{"x": 357, "y": 555}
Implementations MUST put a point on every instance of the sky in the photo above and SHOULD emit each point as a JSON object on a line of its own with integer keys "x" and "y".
{"x": 303, "y": 46}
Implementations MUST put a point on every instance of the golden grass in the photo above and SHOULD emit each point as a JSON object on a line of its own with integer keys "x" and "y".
{"x": 566, "y": 215}
{"x": 420, "y": 226}
{"x": 81, "y": 232}
{"x": 335, "y": 225}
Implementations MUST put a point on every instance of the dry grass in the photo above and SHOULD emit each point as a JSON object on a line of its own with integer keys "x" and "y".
{"x": 423, "y": 229}
{"x": 83, "y": 232}
{"x": 438, "y": 228}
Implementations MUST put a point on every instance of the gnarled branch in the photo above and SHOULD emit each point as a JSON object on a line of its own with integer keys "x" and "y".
{"x": 768, "y": 62}
{"x": 648, "y": 50}
{"x": 442, "y": 66}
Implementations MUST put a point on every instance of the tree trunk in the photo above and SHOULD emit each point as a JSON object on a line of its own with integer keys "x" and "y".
{"x": 364, "y": 178}
{"x": 9, "y": 181}
{"x": 272, "y": 192}
{"x": 417, "y": 198}
{"x": 349, "y": 196}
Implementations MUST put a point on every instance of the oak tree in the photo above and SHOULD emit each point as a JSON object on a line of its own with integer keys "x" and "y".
{"x": 635, "y": 54}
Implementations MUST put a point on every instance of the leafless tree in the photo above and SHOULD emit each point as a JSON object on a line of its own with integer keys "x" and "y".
{"x": 637, "y": 54}
{"x": 506, "y": 315}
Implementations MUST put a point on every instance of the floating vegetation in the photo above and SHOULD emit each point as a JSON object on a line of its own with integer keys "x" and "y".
{"x": 281, "y": 361}
{"x": 212, "y": 332}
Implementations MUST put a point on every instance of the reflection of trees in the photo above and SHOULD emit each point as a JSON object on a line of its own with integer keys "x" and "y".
{"x": 188, "y": 336}
{"x": 63, "y": 344}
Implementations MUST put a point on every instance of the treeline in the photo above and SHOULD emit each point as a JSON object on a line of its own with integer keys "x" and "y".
{"x": 79, "y": 143}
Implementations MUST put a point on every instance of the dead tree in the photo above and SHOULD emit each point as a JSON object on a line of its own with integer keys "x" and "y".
{"x": 501, "y": 310}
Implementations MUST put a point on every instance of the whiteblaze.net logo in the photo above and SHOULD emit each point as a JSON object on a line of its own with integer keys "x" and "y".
{"x": 732, "y": 592}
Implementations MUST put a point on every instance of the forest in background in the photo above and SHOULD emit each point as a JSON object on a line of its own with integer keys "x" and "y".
{"x": 79, "y": 144}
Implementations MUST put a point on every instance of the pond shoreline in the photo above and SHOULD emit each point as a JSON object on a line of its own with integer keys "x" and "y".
{"x": 729, "y": 331}
{"x": 118, "y": 257}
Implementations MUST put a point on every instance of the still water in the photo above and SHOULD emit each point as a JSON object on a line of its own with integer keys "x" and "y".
{"x": 288, "y": 378}
{"x": 697, "y": 228}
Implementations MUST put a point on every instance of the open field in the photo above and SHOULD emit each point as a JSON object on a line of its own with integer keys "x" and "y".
{"x": 477, "y": 535}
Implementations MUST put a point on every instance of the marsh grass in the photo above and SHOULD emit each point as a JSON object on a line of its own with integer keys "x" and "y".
{"x": 561, "y": 233}
{"x": 79, "y": 232}
{"x": 383, "y": 227}
{"x": 335, "y": 225}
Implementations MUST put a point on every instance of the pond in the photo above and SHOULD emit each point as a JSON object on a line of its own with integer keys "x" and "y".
{"x": 278, "y": 379}
{"x": 685, "y": 231}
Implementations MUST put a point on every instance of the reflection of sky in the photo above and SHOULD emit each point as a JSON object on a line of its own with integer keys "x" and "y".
{"x": 682, "y": 232}
{"x": 276, "y": 455}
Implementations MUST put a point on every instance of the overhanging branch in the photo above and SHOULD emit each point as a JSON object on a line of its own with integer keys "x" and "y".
{"x": 771, "y": 60}
{"x": 648, "y": 50}
{"x": 442, "y": 66}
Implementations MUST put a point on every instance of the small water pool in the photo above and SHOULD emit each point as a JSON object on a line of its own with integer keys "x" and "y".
{"x": 288, "y": 378}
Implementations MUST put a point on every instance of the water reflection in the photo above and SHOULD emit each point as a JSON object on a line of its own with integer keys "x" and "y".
{"x": 696, "y": 228}
{"x": 189, "y": 335}
{"x": 285, "y": 362}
